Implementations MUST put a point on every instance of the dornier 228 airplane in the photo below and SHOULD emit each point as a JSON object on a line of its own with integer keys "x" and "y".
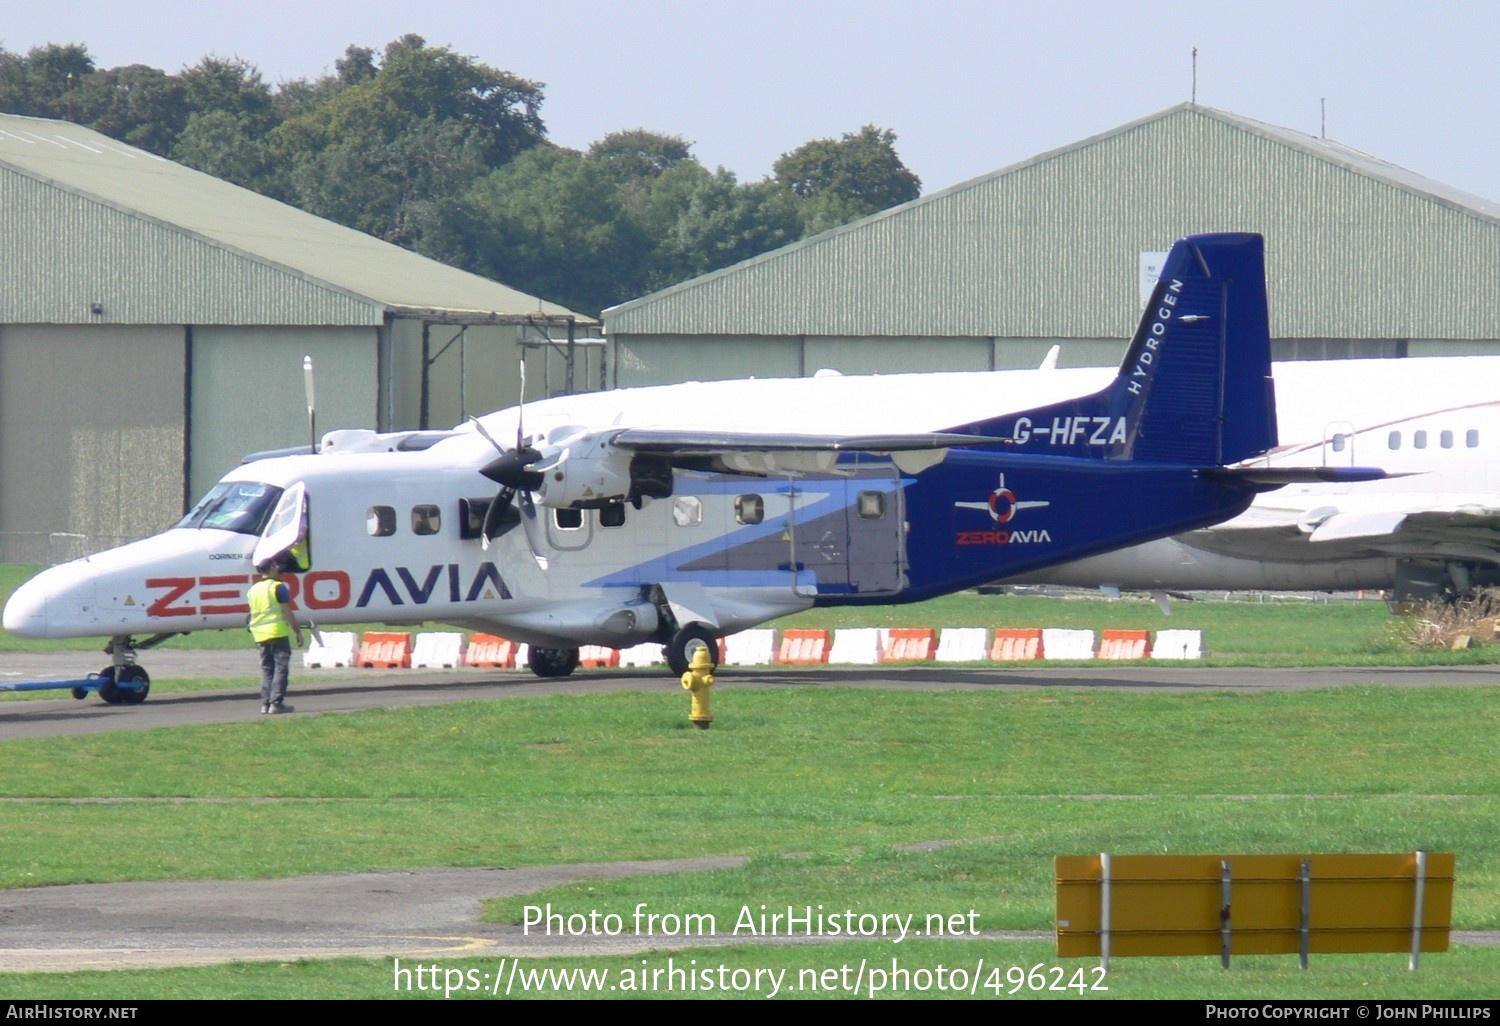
{"x": 674, "y": 514}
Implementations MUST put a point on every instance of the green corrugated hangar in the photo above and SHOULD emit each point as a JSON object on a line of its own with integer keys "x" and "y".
{"x": 1365, "y": 259}
{"x": 153, "y": 324}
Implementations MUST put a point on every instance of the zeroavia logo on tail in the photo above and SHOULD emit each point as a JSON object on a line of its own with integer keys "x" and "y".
{"x": 1002, "y": 506}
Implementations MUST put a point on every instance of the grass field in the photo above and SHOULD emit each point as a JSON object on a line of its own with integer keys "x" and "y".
{"x": 827, "y": 790}
{"x": 824, "y": 788}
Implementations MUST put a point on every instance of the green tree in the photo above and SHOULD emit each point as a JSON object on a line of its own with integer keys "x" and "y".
{"x": 40, "y": 83}
{"x": 551, "y": 223}
{"x": 136, "y": 104}
{"x": 838, "y": 181}
{"x": 381, "y": 148}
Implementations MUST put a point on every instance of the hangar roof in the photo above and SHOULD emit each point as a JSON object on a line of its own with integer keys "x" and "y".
{"x": 1050, "y": 247}
{"x": 141, "y": 185}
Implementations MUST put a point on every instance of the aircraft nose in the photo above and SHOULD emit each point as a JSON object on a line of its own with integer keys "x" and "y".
{"x": 26, "y": 611}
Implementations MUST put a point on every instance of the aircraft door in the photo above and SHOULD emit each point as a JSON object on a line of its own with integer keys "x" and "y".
{"x": 876, "y": 518}
{"x": 286, "y": 537}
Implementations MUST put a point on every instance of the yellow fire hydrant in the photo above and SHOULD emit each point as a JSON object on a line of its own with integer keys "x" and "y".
{"x": 698, "y": 679}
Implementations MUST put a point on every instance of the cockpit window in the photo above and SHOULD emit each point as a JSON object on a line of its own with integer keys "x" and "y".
{"x": 241, "y": 506}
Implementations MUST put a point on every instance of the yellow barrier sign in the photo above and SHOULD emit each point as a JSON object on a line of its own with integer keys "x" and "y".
{"x": 1253, "y": 904}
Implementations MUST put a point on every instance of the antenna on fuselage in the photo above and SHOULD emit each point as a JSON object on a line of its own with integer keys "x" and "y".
{"x": 312, "y": 406}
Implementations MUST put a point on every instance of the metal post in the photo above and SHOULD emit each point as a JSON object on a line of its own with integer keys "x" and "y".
{"x": 1104, "y": 900}
{"x": 1304, "y": 925}
{"x": 1224, "y": 881}
{"x": 1416, "y": 913}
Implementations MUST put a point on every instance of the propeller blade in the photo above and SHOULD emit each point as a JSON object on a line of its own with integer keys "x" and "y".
{"x": 493, "y": 516}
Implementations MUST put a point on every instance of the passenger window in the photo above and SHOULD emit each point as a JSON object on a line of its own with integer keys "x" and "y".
{"x": 380, "y": 521}
{"x": 1471, "y": 439}
{"x": 1419, "y": 439}
{"x": 1394, "y": 441}
{"x": 425, "y": 519}
{"x": 1339, "y": 441}
{"x": 749, "y": 509}
{"x": 687, "y": 510}
{"x": 612, "y": 515}
{"x": 568, "y": 519}
{"x": 871, "y": 505}
{"x": 1446, "y": 439}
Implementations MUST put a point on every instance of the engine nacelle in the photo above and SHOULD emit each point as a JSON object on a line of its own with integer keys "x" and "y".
{"x": 582, "y": 471}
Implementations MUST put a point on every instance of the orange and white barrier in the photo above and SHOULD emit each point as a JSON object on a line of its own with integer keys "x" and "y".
{"x": 755, "y": 647}
{"x": 859, "y": 646}
{"x": 1067, "y": 643}
{"x": 908, "y": 644}
{"x": 385, "y": 650}
{"x": 438, "y": 650}
{"x": 491, "y": 652}
{"x": 596, "y": 657}
{"x": 1125, "y": 645}
{"x": 1178, "y": 645}
{"x": 1017, "y": 644}
{"x": 337, "y": 648}
{"x": 962, "y": 645}
{"x": 802, "y": 646}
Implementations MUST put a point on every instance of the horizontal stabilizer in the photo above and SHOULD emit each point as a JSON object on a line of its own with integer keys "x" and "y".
{"x": 1275, "y": 477}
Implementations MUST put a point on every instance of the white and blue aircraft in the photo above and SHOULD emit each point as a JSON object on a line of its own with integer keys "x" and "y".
{"x": 674, "y": 514}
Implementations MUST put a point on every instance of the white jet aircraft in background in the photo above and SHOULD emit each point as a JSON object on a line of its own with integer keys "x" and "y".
{"x": 682, "y": 513}
{"x": 1430, "y": 530}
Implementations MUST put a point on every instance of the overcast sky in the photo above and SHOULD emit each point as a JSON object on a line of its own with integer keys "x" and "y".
{"x": 967, "y": 86}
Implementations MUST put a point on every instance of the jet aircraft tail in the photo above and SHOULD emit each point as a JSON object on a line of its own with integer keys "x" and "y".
{"x": 1195, "y": 386}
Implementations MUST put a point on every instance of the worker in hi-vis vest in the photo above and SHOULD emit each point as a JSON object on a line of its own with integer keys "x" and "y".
{"x": 271, "y": 624}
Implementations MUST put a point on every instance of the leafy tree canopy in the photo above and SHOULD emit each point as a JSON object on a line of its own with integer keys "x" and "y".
{"x": 437, "y": 151}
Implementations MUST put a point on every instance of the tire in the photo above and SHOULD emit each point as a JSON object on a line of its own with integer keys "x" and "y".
{"x": 132, "y": 689}
{"x": 681, "y": 646}
{"x": 552, "y": 662}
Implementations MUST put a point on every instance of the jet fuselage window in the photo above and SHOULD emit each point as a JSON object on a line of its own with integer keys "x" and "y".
{"x": 240, "y": 506}
{"x": 1394, "y": 440}
{"x": 568, "y": 519}
{"x": 612, "y": 515}
{"x": 1471, "y": 439}
{"x": 871, "y": 505}
{"x": 426, "y": 519}
{"x": 380, "y": 521}
{"x": 749, "y": 509}
{"x": 1446, "y": 439}
{"x": 1340, "y": 440}
{"x": 1419, "y": 439}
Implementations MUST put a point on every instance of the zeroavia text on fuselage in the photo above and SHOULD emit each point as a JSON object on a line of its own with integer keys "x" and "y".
{"x": 681, "y": 513}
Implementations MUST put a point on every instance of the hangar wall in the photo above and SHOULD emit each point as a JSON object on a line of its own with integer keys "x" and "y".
{"x": 87, "y": 445}
{"x": 248, "y": 393}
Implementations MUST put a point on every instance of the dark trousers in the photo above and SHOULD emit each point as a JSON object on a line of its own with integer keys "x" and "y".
{"x": 275, "y": 661}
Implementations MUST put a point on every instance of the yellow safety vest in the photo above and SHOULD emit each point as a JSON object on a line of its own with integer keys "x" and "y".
{"x": 266, "y": 619}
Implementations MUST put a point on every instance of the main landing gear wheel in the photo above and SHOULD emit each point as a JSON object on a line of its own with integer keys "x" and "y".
{"x": 131, "y": 689}
{"x": 552, "y": 662}
{"x": 681, "y": 646}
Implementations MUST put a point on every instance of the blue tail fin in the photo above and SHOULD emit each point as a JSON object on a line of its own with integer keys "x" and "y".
{"x": 1195, "y": 387}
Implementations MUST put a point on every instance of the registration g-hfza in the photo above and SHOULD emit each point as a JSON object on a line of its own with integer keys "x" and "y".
{"x": 681, "y": 513}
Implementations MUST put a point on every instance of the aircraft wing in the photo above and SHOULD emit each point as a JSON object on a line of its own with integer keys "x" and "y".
{"x": 1466, "y": 530}
{"x": 771, "y": 453}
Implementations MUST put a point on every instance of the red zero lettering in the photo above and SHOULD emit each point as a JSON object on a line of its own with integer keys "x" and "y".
{"x": 316, "y": 597}
{"x": 206, "y": 593}
{"x": 176, "y": 588}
